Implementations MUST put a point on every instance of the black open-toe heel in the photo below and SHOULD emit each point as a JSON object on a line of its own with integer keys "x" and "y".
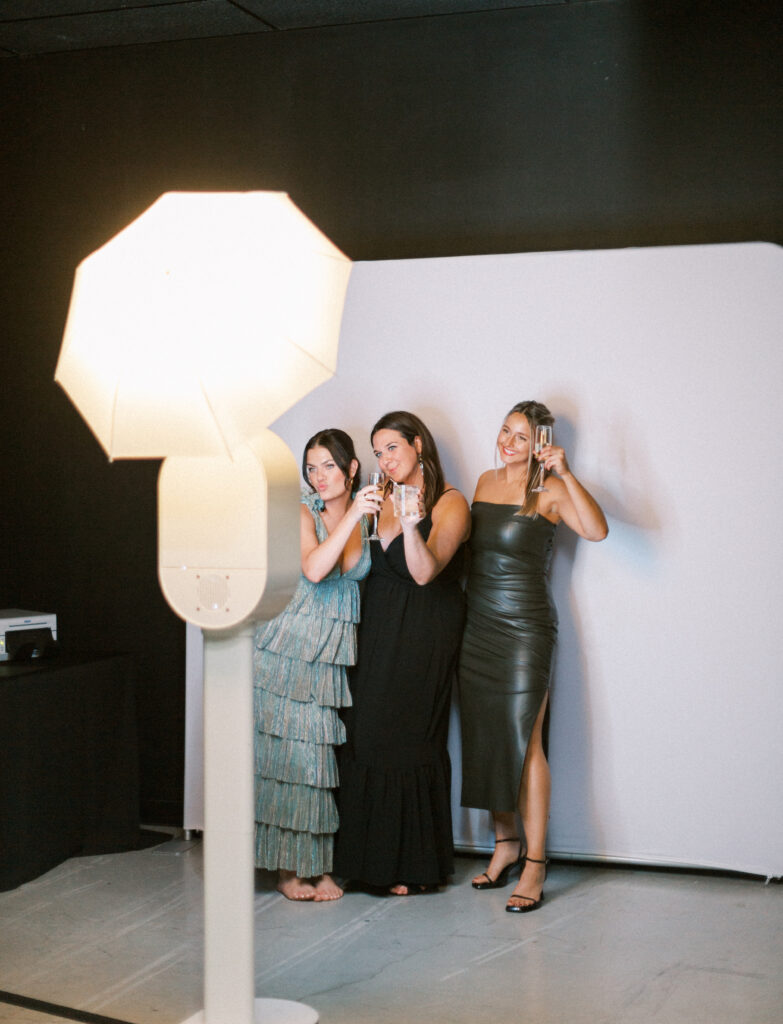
{"x": 532, "y": 904}
{"x": 502, "y": 879}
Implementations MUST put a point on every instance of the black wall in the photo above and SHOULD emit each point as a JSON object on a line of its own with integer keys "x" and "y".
{"x": 553, "y": 127}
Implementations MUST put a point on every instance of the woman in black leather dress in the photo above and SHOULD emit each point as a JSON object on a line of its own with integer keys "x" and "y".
{"x": 395, "y": 776}
{"x": 507, "y": 647}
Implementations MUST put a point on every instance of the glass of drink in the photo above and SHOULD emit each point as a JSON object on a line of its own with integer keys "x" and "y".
{"x": 405, "y": 500}
{"x": 543, "y": 440}
{"x": 375, "y": 480}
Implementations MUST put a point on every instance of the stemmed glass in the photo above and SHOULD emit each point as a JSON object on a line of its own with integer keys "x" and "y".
{"x": 375, "y": 480}
{"x": 543, "y": 438}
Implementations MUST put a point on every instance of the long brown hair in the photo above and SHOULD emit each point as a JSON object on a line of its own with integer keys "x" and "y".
{"x": 537, "y": 415}
{"x": 340, "y": 447}
{"x": 411, "y": 427}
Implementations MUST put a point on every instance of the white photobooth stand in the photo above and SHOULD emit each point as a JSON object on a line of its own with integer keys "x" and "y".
{"x": 188, "y": 333}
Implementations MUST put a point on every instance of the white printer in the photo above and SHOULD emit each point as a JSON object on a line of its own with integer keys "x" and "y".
{"x": 14, "y": 620}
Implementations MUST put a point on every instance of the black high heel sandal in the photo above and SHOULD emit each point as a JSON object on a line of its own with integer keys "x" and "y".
{"x": 514, "y": 908}
{"x": 502, "y": 879}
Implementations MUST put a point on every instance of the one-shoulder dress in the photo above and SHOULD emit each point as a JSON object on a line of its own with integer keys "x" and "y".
{"x": 300, "y": 676}
{"x": 395, "y": 772}
{"x": 507, "y": 648}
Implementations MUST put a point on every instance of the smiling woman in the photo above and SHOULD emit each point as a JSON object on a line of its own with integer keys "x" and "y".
{"x": 506, "y": 658}
{"x": 395, "y": 816}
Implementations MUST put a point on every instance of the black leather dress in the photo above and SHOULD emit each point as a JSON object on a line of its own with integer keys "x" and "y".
{"x": 506, "y": 657}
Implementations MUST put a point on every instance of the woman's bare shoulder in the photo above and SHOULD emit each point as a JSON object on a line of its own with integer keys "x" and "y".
{"x": 451, "y": 495}
{"x": 451, "y": 505}
{"x": 485, "y": 483}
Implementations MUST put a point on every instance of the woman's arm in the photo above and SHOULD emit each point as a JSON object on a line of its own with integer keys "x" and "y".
{"x": 318, "y": 559}
{"x": 450, "y": 527}
{"x": 568, "y": 499}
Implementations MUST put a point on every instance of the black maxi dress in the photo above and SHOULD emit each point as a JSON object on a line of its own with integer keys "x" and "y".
{"x": 394, "y": 799}
{"x": 506, "y": 657}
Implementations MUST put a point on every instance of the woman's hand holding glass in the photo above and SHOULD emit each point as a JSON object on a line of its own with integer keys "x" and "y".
{"x": 373, "y": 495}
{"x": 408, "y": 504}
{"x": 552, "y": 459}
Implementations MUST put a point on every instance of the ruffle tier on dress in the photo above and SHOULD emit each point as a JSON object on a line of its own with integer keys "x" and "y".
{"x": 403, "y": 831}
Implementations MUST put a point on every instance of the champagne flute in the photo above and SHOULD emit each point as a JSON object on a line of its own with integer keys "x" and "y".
{"x": 543, "y": 438}
{"x": 375, "y": 480}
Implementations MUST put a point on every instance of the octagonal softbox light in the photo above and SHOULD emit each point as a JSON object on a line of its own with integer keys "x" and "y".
{"x": 201, "y": 322}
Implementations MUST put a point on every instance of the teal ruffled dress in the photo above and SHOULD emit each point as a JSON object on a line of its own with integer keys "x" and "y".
{"x": 300, "y": 682}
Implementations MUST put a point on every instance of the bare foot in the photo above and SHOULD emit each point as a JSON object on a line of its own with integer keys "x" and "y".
{"x": 294, "y": 888}
{"x": 411, "y": 890}
{"x": 326, "y": 889}
{"x": 505, "y": 853}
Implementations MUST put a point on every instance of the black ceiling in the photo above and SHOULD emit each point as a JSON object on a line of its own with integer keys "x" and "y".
{"x": 30, "y": 27}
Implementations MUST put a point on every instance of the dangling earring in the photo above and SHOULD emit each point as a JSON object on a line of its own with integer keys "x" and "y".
{"x": 421, "y": 467}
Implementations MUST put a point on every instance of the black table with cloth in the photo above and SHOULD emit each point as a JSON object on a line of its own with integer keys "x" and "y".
{"x": 69, "y": 778}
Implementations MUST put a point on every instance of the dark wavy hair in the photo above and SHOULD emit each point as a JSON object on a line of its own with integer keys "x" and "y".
{"x": 536, "y": 414}
{"x": 411, "y": 427}
{"x": 340, "y": 447}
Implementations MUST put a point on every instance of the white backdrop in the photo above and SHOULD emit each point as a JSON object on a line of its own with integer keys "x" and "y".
{"x": 663, "y": 368}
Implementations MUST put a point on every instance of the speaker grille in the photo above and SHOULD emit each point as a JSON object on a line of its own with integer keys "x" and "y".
{"x": 213, "y": 591}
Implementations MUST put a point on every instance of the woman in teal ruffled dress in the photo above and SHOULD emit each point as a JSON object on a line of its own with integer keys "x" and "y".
{"x": 300, "y": 676}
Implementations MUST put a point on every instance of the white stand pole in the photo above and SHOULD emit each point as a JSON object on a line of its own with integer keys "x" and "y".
{"x": 228, "y": 841}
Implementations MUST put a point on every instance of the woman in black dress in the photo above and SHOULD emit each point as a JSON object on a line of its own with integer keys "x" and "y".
{"x": 506, "y": 657}
{"x": 395, "y": 774}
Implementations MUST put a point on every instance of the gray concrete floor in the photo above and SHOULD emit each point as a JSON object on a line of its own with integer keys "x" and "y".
{"x": 121, "y": 936}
